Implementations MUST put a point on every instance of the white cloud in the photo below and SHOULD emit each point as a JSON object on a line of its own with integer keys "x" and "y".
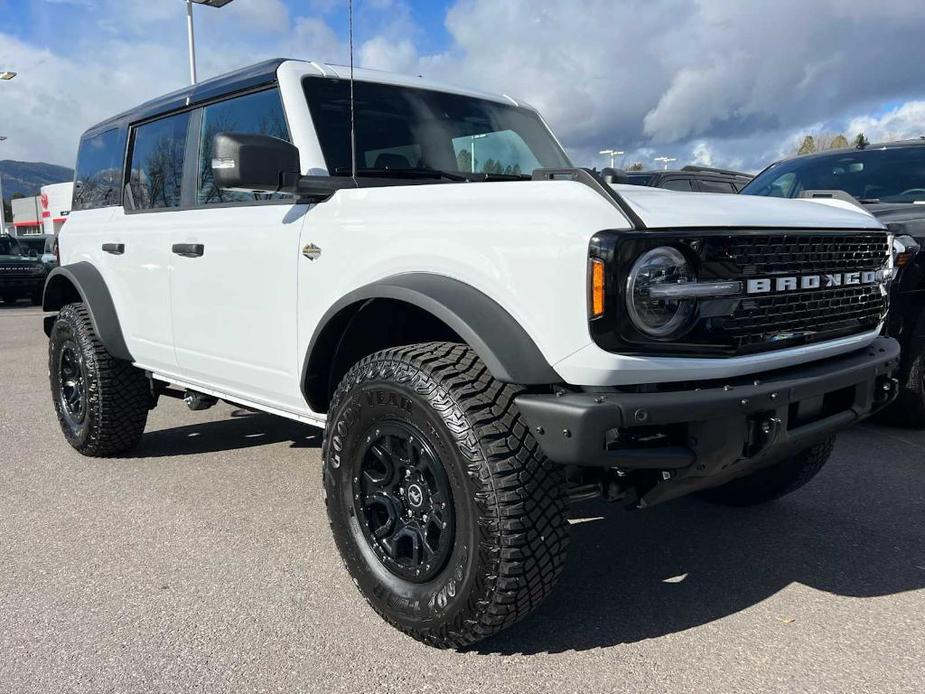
{"x": 901, "y": 123}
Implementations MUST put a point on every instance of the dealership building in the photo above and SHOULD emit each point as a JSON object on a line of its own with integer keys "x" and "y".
{"x": 44, "y": 214}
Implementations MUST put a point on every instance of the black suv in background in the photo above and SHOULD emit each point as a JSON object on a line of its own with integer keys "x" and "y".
{"x": 888, "y": 181}
{"x": 22, "y": 273}
{"x": 697, "y": 179}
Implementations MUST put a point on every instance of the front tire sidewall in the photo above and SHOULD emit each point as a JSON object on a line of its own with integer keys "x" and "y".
{"x": 410, "y": 605}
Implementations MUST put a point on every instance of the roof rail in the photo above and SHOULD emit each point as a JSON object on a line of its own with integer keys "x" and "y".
{"x": 710, "y": 169}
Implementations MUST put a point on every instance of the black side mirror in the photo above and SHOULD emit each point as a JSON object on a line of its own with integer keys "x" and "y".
{"x": 254, "y": 162}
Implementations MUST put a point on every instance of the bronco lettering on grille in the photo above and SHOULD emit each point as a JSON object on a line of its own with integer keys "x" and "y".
{"x": 808, "y": 282}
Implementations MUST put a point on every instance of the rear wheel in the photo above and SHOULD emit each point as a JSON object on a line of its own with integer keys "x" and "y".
{"x": 102, "y": 402}
{"x": 770, "y": 483}
{"x": 448, "y": 517}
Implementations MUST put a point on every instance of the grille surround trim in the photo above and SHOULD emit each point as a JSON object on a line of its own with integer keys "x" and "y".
{"x": 722, "y": 327}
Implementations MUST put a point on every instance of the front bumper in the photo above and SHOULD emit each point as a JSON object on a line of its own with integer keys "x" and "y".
{"x": 714, "y": 430}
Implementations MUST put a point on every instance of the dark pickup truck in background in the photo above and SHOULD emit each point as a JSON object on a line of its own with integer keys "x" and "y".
{"x": 697, "y": 179}
{"x": 888, "y": 181}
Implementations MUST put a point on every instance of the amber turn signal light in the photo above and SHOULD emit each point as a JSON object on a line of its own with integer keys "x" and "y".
{"x": 597, "y": 287}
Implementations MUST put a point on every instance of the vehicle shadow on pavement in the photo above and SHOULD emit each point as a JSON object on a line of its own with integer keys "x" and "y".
{"x": 857, "y": 530}
{"x": 244, "y": 430}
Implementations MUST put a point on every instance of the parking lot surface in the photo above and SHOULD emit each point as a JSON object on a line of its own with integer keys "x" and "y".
{"x": 203, "y": 562}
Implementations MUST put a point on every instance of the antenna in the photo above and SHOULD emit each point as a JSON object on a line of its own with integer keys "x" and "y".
{"x": 353, "y": 134}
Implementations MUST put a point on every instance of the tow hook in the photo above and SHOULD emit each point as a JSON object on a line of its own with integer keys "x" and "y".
{"x": 886, "y": 389}
{"x": 198, "y": 401}
{"x": 766, "y": 432}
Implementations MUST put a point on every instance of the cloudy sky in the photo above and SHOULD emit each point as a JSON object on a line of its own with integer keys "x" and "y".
{"x": 720, "y": 82}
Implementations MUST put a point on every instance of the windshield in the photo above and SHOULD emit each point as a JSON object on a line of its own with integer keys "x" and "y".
{"x": 889, "y": 175}
{"x": 9, "y": 246}
{"x": 406, "y": 128}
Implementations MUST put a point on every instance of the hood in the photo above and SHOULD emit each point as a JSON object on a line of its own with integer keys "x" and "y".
{"x": 660, "y": 208}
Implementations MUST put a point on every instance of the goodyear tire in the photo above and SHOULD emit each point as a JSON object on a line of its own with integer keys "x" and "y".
{"x": 775, "y": 481}
{"x": 102, "y": 402}
{"x": 449, "y": 519}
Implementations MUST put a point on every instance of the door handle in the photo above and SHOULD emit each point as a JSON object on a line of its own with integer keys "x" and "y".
{"x": 188, "y": 250}
{"x": 114, "y": 248}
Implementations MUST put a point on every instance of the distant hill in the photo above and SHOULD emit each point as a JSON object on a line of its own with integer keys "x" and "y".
{"x": 27, "y": 177}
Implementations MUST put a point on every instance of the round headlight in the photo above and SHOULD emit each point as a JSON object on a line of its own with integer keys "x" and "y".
{"x": 656, "y": 316}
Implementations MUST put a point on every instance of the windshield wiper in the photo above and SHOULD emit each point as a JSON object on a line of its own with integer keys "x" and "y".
{"x": 506, "y": 177}
{"x": 418, "y": 172}
{"x": 868, "y": 201}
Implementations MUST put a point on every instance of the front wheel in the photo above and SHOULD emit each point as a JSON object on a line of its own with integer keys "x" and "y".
{"x": 775, "y": 481}
{"x": 102, "y": 402}
{"x": 448, "y": 517}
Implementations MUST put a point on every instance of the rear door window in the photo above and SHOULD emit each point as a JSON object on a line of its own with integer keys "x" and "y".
{"x": 158, "y": 157}
{"x": 98, "y": 181}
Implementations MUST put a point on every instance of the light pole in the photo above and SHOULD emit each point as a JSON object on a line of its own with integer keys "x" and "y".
{"x": 474, "y": 138}
{"x": 6, "y": 76}
{"x": 665, "y": 161}
{"x": 2, "y": 207}
{"x": 613, "y": 153}
{"x": 191, "y": 32}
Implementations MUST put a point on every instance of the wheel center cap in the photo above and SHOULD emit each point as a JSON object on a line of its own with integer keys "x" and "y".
{"x": 415, "y": 495}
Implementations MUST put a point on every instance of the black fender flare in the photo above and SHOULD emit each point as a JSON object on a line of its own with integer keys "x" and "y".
{"x": 497, "y": 338}
{"x": 90, "y": 285}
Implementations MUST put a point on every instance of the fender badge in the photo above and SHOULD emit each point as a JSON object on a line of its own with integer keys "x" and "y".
{"x": 311, "y": 251}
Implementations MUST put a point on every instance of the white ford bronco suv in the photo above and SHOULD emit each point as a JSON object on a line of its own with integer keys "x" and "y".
{"x": 484, "y": 332}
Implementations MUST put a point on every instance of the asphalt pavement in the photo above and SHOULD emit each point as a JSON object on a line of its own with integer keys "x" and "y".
{"x": 203, "y": 562}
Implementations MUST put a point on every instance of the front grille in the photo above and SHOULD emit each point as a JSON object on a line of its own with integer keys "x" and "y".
{"x": 766, "y": 320}
{"x": 793, "y": 254}
{"x": 782, "y": 319}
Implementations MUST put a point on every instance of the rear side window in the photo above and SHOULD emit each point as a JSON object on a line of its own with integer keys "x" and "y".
{"x": 260, "y": 114}
{"x": 683, "y": 184}
{"x": 708, "y": 186}
{"x": 98, "y": 182}
{"x": 158, "y": 156}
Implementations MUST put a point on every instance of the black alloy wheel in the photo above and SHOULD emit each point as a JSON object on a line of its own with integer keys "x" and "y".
{"x": 403, "y": 498}
{"x": 72, "y": 393}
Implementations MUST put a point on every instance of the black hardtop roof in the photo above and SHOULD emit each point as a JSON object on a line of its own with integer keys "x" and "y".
{"x": 237, "y": 80}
